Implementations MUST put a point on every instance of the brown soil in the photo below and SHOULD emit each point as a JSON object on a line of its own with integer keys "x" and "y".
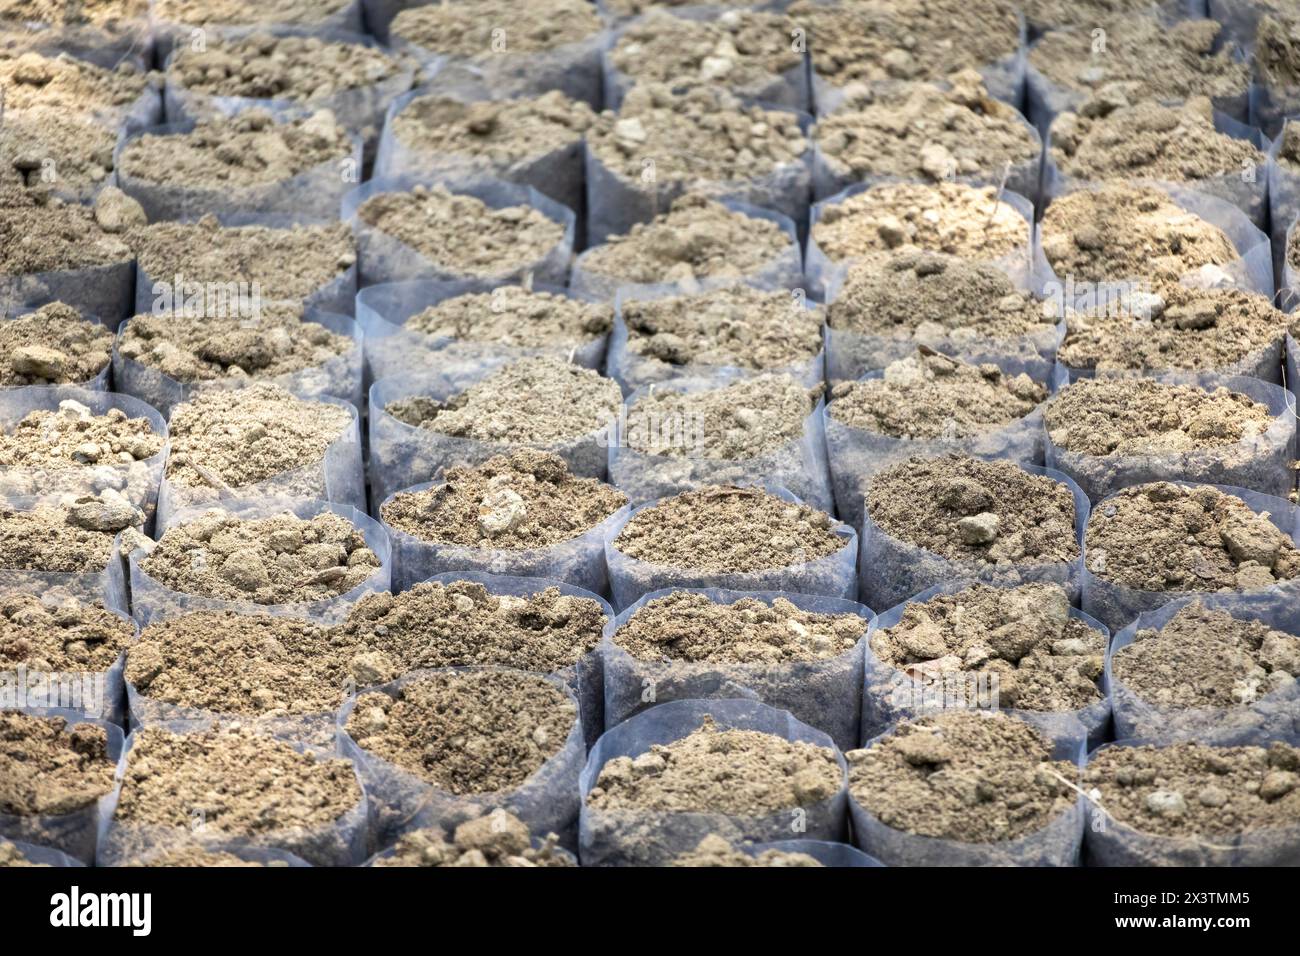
{"x": 928, "y": 395}
{"x": 73, "y": 435}
{"x": 714, "y": 851}
{"x": 714, "y": 770}
{"x": 1142, "y": 416}
{"x": 1190, "y": 789}
{"x": 967, "y": 776}
{"x": 282, "y": 559}
{"x": 524, "y": 500}
{"x": 920, "y": 131}
{"x": 247, "y": 12}
{"x": 497, "y": 839}
{"x": 690, "y": 627}
{"x": 500, "y": 132}
{"x": 514, "y": 316}
{"x": 965, "y": 508}
{"x": 539, "y": 401}
{"x": 725, "y": 529}
{"x": 62, "y": 13}
{"x": 245, "y": 435}
{"x": 1120, "y": 231}
{"x": 1050, "y": 14}
{"x": 1288, "y": 154}
{"x": 1206, "y": 658}
{"x": 633, "y": 8}
{"x": 52, "y": 346}
{"x": 39, "y": 233}
{"x": 60, "y": 636}
{"x": 46, "y": 148}
{"x": 471, "y": 732}
{"x": 1041, "y": 658}
{"x": 48, "y": 768}
{"x": 1277, "y": 54}
{"x": 192, "y": 856}
{"x": 698, "y": 238}
{"x": 1165, "y": 537}
{"x": 62, "y": 82}
{"x": 75, "y": 538}
{"x": 466, "y": 31}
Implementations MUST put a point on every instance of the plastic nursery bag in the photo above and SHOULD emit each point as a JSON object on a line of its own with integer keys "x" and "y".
{"x": 393, "y": 350}
{"x": 168, "y": 33}
{"x": 384, "y": 258}
{"x": 401, "y": 802}
{"x": 103, "y": 292}
{"x": 823, "y": 692}
{"x": 43, "y": 855}
{"x": 1116, "y": 605}
{"x": 76, "y": 833}
{"x": 891, "y": 695}
{"x": 894, "y": 570}
{"x": 1260, "y": 462}
{"x": 831, "y": 576}
{"x": 116, "y": 40}
{"x": 823, "y": 851}
{"x": 151, "y": 600}
{"x": 259, "y": 855}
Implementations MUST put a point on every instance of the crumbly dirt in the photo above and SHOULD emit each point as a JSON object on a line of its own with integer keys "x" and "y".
{"x": 247, "y": 12}
{"x": 715, "y": 851}
{"x": 55, "y": 636}
{"x": 717, "y": 770}
{"x": 516, "y": 317}
{"x": 192, "y": 856}
{"x": 467, "y": 732}
{"x": 498, "y": 839}
{"x": 931, "y": 297}
{"x": 235, "y": 780}
{"x": 65, "y": 83}
{"x": 48, "y": 768}
{"x": 461, "y": 623}
{"x": 968, "y": 509}
{"x": 925, "y": 132}
{"x": 690, "y": 627}
{"x": 245, "y": 435}
{"x": 735, "y": 421}
{"x": 1293, "y": 250}
{"x": 1150, "y": 59}
{"x": 250, "y": 149}
{"x": 726, "y": 529}
{"x": 699, "y": 137}
{"x": 1182, "y": 328}
{"x": 255, "y": 665}
{"x": 1042, "y": 15}
{"x": 73, "y": 538}
{"x": 634, "y": 8}
{"x": 12, "y": 856}
{"x": 284, "y": 264}
{"x": 698, "y": 238}
{"x": 196, "y": 348}
{"x": 736, "y": 326}
{"x": 945, "y": 217}
{"x": 1205, "y": 658}
{"x": 1165, "y": 537}
{"x": 52, "y": 346}
{"x": 968, "y": 776}
{"x": 501, "y": 132}
{"x": 1121, "y": 231}
{"x": 1109, "y": 139}
{"x": 1142, "y": 416}
{"x": 929, "y": 395}
{"x": 40, "y": 233}
{"x": 1276, "y": 55}
{"x": 527, "y": 499}
{"x": 533, "y": 401}
{"x": 462, "y": 233}
{"x": 282, "y": 559}
{"x": 46, "y": 148}
{"x": 465, "y": 31}
{"x": 1191, "y": 789}
{"x": 74, "y": 436}
{"x": 1041, "y": 658}
{"x": 1288, "y": 153}
{"x": 61, "y": 13}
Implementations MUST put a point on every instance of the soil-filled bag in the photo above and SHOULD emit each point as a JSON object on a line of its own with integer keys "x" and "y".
{"x": 380, "y": 858}
{"x": 1261, "y": 716}
{"x": 43, "y": 855}
{"x": 1115, "y": 605}
{"x": 384, "y": 258}
{"x": 832, "y": 576}
{"x": 1260, "y": 462}
{"x": 76, "y": 833}
{"x": 821, "y": 692}
{"x": 340, "y": 377}
{"x": 823, "y": 851}
{"x": 893, "y": 570}
{"x": 168, "y": 33}
{"x": 1057, "y": 843}
{"x": 151, "y": 600}
{"x": 104, "y": 292}
{"x": 892, "y": 695}
{"x": 394, "y": 350}
{"x": 252, "y": 855}
{"x": 634, "y": 837}
{"x": 97, "y": 383}
{"x": 578, "y": 561}
{"x": 798, "y": 465}
{"x": 337, "y": 477}
{"x": 547, "y": 801}
{"x": 107, "y": 583}
{"x": 113, "y": 40}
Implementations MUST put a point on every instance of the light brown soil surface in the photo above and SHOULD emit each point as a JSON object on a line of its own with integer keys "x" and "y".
{"x": 48, "y": 768}
{"x": 714, "y": 851}
{"x": 76, "y": 538}
{"x": 60, "y": 636}
{"x": 502, "y": 132}
{"x": 513, "y": 316}
{"x": 52, "y": 346}
{"x": 44, "y": 147}
{"x": 498, "y": 839}
{"x": 462, "y": 30}
{"x": 72, "y": 436}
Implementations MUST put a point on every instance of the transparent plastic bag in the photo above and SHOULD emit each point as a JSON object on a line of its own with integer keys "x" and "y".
{"x": 831, "y": 576}
{"x": 893, "y": 570}
{"x": 1259, "y": 462}
{"x": 168, "y": 33}
{"x": 386, "y": 259}
{"x": 43, "y": 855}
{"x": 1115, "y": 605}
{"x": 378, "y": 15}
{"x": 400, "y": 802}
{"x": 264, "y": 856}
{"x": 121, "y": 39}
{"x": 823, "y": 692}
{"x": 100, "y": 291}
{"x": 630, "y": 837}
{"x": 556, "y": 851}
{"x": 152, "y": 601}
{"x": 823, "y": 851}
